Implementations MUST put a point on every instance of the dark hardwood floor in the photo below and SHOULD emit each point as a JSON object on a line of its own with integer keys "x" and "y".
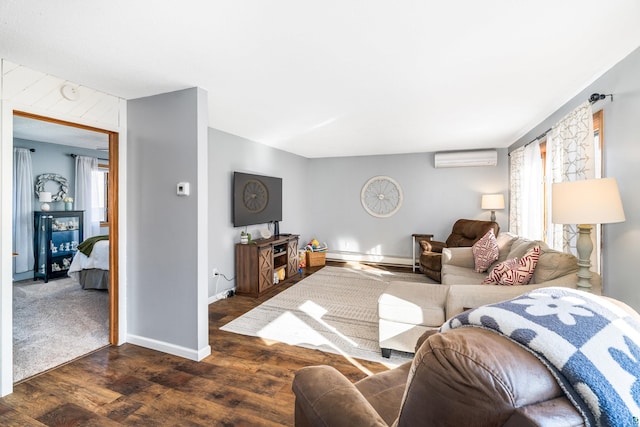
{"x": 244, "y": 382}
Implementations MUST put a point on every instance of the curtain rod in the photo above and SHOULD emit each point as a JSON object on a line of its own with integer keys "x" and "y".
{"x": 595, "y": 97}
{"x": 75, "y": 155}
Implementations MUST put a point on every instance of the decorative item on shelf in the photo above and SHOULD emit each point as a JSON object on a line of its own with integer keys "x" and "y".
{"x": 42, "y": 180}
{"x": 316, "y": 253}
{"x": 265, "y": 233}
{"x": 586, "y": 202}
{"x": 45, "y": 198}
{"x": 245, "y": 237}
{"x": 68, "y": 203}
{"x": 492, "y": 202}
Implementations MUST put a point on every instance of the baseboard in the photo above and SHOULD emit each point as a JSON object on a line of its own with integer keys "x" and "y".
{"x": 221, "y": 295}
{"x": 376, "y": 259}
{"x": 176, "y": 350}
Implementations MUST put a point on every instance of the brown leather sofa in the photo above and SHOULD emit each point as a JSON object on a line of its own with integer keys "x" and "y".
{"x": 462, "y": 377}
{"x": 465, "y": 233}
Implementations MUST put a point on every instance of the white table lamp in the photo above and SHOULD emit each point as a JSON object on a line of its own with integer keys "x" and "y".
{"x": 493, "y": 202}
{"x": 586, "y": 202}
{"x": 45, "y": 198}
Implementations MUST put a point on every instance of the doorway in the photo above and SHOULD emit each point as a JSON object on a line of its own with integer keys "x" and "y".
{"x": 61, "y": 130}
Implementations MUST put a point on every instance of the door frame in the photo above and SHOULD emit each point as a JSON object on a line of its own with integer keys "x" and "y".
{"x": 113, "y": 214}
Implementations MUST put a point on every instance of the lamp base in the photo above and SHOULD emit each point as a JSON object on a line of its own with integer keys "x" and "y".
{"x": 584, "y": 247}
{"x": 493, "y": 216}
{"x": 45, "y": 207}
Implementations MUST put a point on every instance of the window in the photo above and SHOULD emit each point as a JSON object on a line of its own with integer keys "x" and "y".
{"x": 598, "y": 144}
{"x": 101, "y": 193}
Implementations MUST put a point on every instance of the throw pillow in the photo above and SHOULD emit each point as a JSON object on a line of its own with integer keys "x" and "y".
{"x": 485, "y": 251}
{"x": 513, "y": 272}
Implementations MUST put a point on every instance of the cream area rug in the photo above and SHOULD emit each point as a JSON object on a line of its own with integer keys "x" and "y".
{"x": 333, "y": 310}
{"x": 54, "y": 323}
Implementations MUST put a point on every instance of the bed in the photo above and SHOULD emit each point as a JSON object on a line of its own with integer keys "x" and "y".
{"x": 92, "y": 272}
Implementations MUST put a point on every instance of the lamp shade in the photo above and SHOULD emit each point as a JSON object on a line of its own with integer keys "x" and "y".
{"x": 492, "y": 201}
{"x": 44, "y": 197}
{"x": 590, "y": 201}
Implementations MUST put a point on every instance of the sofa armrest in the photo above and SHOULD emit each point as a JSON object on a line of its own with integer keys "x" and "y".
{"x": 432, "y": 246}
{"x": 325, "y": 397}
{"x": 460, "y": 257}
{"x": 463, "y": 297}
{"x": 555, "y": 412}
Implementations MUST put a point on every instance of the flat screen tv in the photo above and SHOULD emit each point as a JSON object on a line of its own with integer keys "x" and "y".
{"x": 257, "y": 199}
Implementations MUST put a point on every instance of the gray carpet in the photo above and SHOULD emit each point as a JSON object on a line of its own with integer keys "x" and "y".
{"x": 333, "y": 310}
{"x": 54, "y": 323}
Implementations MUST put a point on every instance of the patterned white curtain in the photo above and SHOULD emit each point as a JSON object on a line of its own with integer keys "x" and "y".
{"x": 526, "y": 192}
{"x": 570, "y": 157}
{"x": 23, "y": 196}
{"x": 85, "y": 190}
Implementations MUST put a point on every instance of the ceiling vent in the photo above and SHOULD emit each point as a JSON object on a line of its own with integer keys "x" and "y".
{"x": 457, "y": 159}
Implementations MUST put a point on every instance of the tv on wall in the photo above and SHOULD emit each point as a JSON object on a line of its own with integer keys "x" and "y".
{"x": 257, "y": 199}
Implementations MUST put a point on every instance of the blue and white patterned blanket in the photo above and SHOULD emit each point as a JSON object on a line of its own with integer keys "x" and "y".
{"x": 591, "y": 345}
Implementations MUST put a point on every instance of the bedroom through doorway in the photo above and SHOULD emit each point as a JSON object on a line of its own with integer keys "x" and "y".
{"x": 64, "y": 159}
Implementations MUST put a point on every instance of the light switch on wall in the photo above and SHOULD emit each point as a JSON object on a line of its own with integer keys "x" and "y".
{"x": 183, "y": 189}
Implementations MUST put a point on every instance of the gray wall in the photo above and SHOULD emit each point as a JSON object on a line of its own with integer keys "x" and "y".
{"x": 55, "y": 158}
{"x": 322, "y": 199}
{"x": 163, "y": 307}
{"x": 229, "y": 153}
{"x": 433, "y": 200}
{"x": 621, "y": 159}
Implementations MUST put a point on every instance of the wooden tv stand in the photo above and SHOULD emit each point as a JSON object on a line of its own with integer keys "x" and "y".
{"x": 258, "y": 260}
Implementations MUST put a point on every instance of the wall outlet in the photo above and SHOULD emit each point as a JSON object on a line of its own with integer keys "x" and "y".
{"x": 215, "y": 272}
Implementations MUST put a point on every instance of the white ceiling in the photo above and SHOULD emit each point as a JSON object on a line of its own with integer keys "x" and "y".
{"x": 336, "y": 77}
{"x": 43, "y": 131}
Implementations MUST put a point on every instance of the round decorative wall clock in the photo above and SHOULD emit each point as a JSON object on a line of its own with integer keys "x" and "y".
{"x": 255, "y": 195}
{"x": 381, "y": 196}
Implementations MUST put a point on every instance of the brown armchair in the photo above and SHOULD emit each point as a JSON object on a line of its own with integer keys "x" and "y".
{"x": 462, "y": 377}
{"x": 465, "y": 233}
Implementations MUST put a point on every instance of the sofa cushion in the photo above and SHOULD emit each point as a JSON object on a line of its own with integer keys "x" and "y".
{"x": 553, "y": 264}
{"x": 514, "y": 271}
{"x": 521, "y": 246}
{"x": 485, "y": 252}
{"x": 504, "y": 241}
{"x": 413, "y": 303}
{"x": 458, "y": 275}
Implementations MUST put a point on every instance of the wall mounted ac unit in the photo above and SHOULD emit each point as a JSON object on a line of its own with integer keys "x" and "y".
{"x": 456, "y": 159}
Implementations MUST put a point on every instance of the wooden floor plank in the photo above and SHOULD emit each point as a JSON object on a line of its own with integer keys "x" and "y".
{"x": 246, "y": 381}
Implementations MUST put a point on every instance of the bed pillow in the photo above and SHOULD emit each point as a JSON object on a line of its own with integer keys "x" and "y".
{"x": 485, "y": 252}
{"x": 513, "y": 271}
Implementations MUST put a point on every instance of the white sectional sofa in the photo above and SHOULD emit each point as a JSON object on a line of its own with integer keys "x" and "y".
{"x": 406, "y": 309}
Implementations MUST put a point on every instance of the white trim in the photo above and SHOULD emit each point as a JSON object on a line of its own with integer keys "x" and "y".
{"x": 372, "y": 258}
{"x": 176, "y": 350}
{"x": 122, "y": 223}
{"x": 220, "y": 295}
{"x": 6, "y": 244}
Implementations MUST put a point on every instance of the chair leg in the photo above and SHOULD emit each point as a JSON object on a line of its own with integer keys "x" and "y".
{"x": 386, "y": 352}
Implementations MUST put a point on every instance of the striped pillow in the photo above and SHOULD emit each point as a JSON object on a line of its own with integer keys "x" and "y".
{"x": 513, "y": 272}
{"x": 485, "y": 252}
